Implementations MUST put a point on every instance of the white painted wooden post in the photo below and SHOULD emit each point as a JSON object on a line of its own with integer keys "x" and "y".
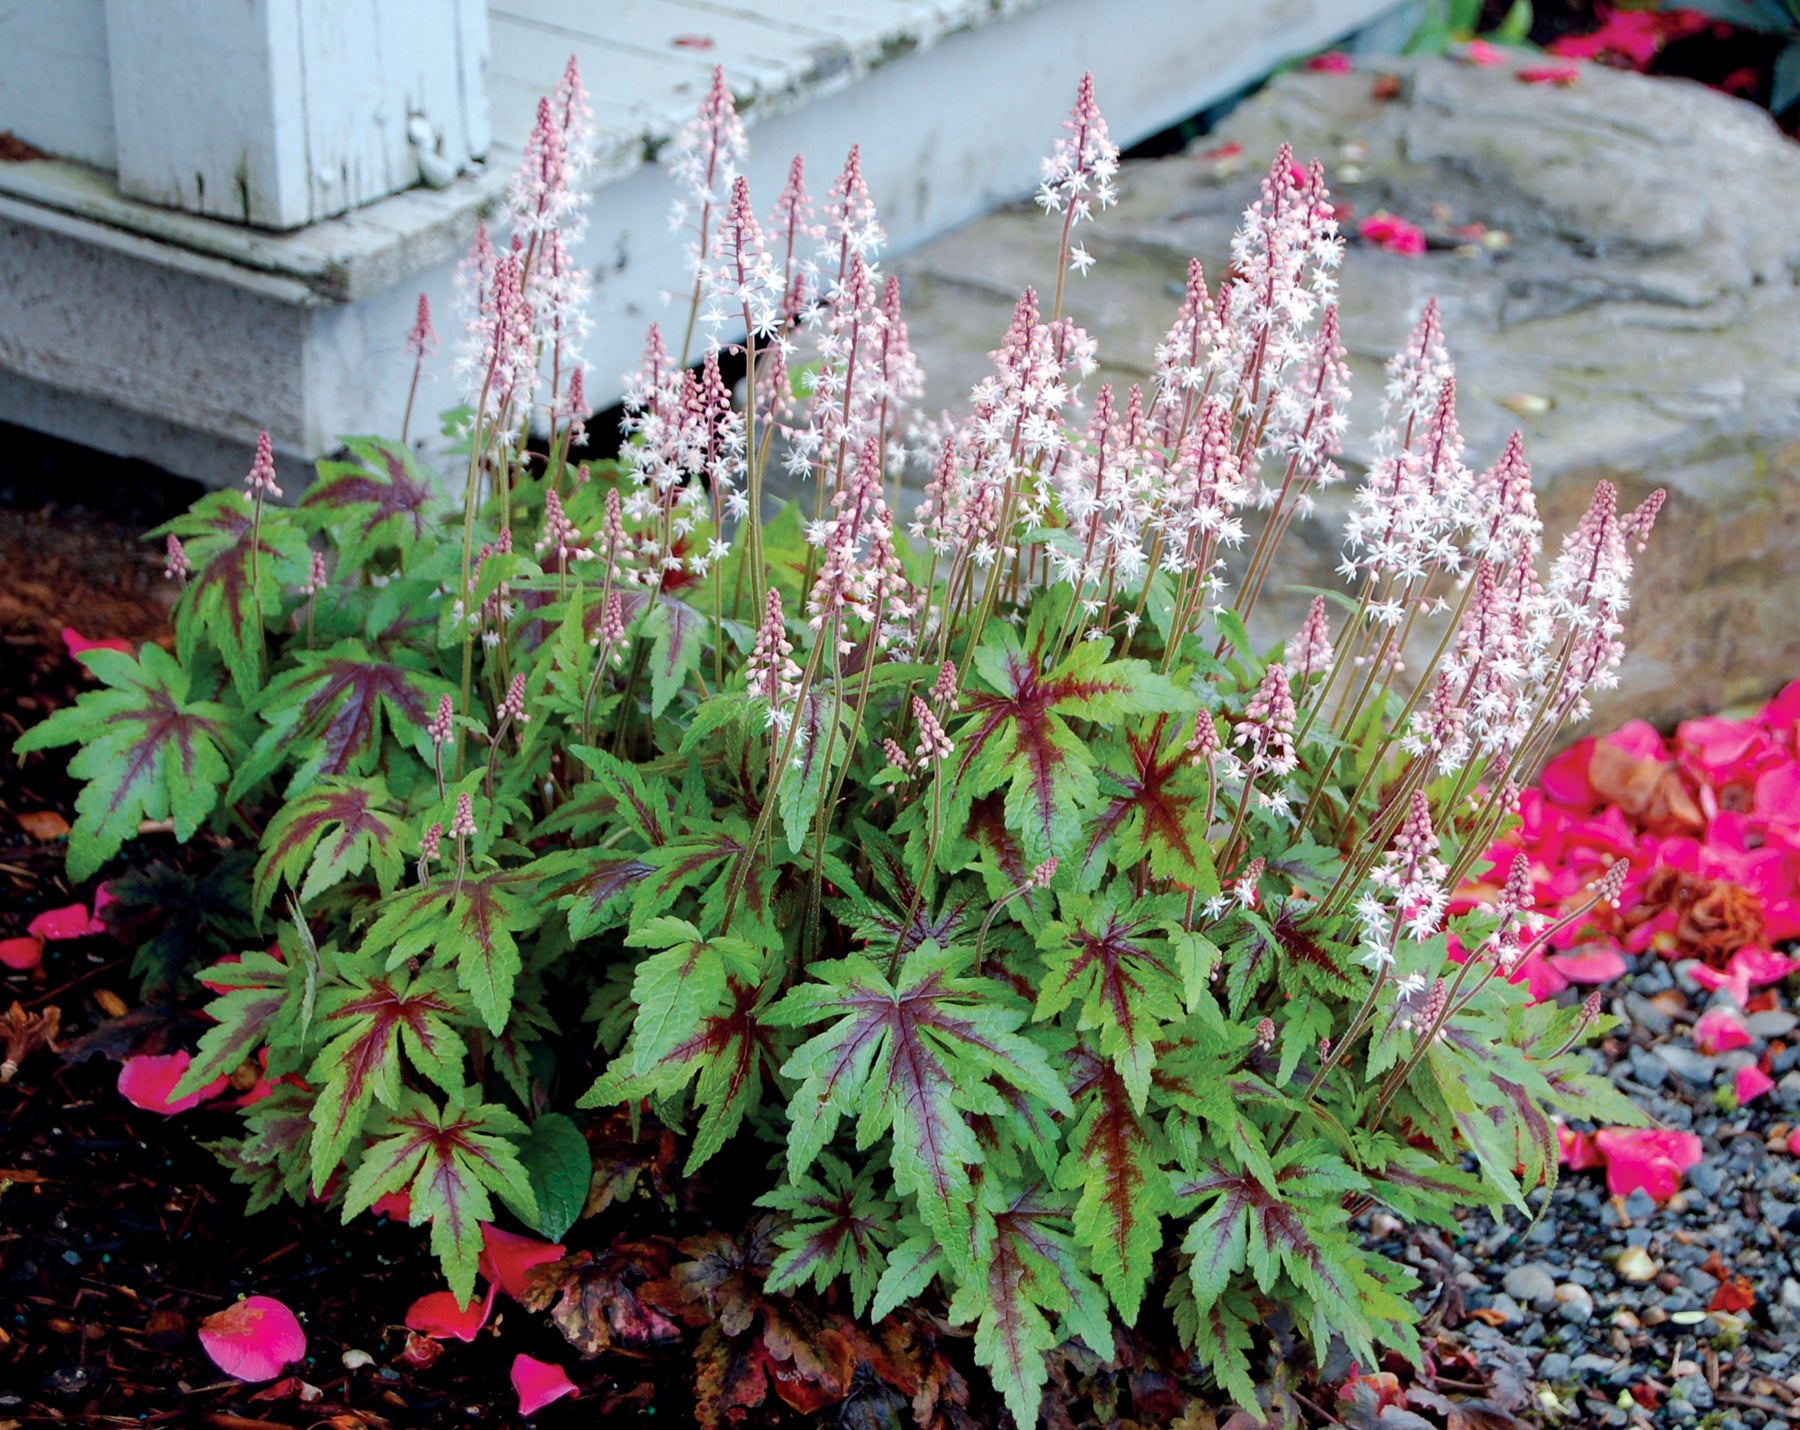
{"x": 278, "y": 113}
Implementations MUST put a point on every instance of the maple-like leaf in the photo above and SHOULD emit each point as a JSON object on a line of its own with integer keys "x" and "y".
{"x": 231, "y": 594}
{"x": 368, "y": 1022}
{"x": 448, "y": 1160}
{"x": 1115, "y": 966}
{"x": 471, "y": 924}
{"x": 593, "y": 886}
{"x": 149, "y": 752}
{"x": 1112, "y": 1163}
{"x": 719, "y": 1035}
{"x": 1017, "y": 732}
{"x": 877, "y": 923}
{"x": 1155, "y": 810}
{"x": 913, "y": 1058}
{"x": 325, "y": 714}
{"x": 1028, "y": 1272}
{"x": 270, "y": 1159}
{"x": 363, "y": 830}
{"x": 382, "y": 500}
{"x": 841, "y": 1226}
{"x": 1290, "y": 1225}
{"x": 255, "y": 992}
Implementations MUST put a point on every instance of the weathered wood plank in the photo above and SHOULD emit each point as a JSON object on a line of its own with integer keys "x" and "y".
{"x": 55, "y": 91}
{"x": 278, "y": 113}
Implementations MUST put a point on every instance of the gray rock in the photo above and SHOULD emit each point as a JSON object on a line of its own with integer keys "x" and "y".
{"x": 1646, "y": 1015}
{"x": 1531, "y": 1284}
{"x": 1640, "y": 1204}
{"x": 1574, "y": 1304}
{"x": 1687, "y": 1064}
{"x": 1648, "y": 1069}
{"x": 1642, "y": 317}
{"x": 1790, "y": 1293}
{"x": 1555, "y": 1366}
{"x": 1512, "y": 1315}
{"x": 1694, "y": 1390}
{"x": 1787, "y": 1091}
{"x": 1775, "y": 1023}
{"x": 1706, "y": 1177}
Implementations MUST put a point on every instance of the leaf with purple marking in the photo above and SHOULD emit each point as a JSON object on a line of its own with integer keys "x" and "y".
{"x": 149, "y": 752}
{"x": 243, "y": 572}
{"x": 332, "y": 832}
{"x": 914, "y": 1057}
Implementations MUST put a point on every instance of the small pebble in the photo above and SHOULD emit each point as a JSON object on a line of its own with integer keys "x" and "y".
{"x": 1531, "y": 1284}
{"x": 356, "y": 1360}
{"x": 1636, "y": 1264}
{"x": 1574, "y": 1304}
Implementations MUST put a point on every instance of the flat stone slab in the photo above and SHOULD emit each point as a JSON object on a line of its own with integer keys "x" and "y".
{"x": 1641, "y": 322}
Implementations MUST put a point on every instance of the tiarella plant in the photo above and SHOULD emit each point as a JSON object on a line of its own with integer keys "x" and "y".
{"x": 1076, "y": 953}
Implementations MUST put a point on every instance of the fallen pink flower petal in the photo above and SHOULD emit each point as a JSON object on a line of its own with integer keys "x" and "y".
{"x": 1653, "y": 1158}
{"x": 253, "y": 1339}
{"x": 1565, "y": 779}
{"x": 76, "y": 643}
{"x": 1752, "y": 1082}
{"x": 1720, "y": 1031}
{"x": 1331, "y": 62}
{"x": 538, "y": 1383}
{"x": 1561, "y": 75}
{"x": 1396, "y": 235}
{"x": 395, "y": 1206}
{"x": 507, "y": 1258}
{"x": 1778, "y": 793}
{"x": 1595, "y": 963}
{"x": 439, "y": 1316}
{"x": 1713, "y": 979}
{"x": 1576, "y": 1150}
{"x": 1483, "y": 55}
{"x": 1794, "y": 1141}
{"x": 22, "y": 955}
{"x": 147, "y": 1080}
{"x": 71, "y": 921}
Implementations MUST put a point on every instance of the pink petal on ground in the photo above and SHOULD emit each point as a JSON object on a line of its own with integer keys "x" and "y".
{"x": 1331, "y": 62}
{"x": 1483, "y": 55}
{"x": 1794, "y": 1141}
{"x": 254, "y": 1339}
{"x": 1752, "y": 1083}
{"x": 1723, "y": 751}
{"x": 1653, "y": 1158}
{"x": 538, "y": 1383}
{"x": 1778, "y": 793}
{"x": 71, "y": 921}
{"x": 1720, "y": 1031}
{"x": 1735, "y": 983}
{"x": 1594, "y": 963}
{"x": 22, "y": 955}
{"x": 506, "y": 1258}
{"x": 1760, "y": 966}
{"x": 1782, "y": 714}
{"x": 1565, "y": 779}
{"x": 440, "y": 1317}
{"x": 1562, "y": 75}
{"x": 395, "y": 1206}
{"x": 76, "y": 643}
{"x": 1396, "y": 235}
{"x": 147, "y": 1080}
{"x": 1640, "y": 740}
{"x": 1576, "y": 1150}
